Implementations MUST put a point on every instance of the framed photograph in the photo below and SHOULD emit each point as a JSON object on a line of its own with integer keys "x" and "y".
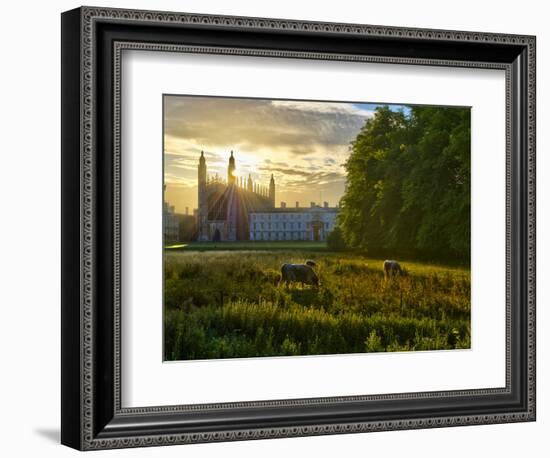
{"x": 276, "y": 228}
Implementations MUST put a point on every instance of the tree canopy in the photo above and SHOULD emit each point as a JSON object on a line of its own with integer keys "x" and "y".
{"x": 408, "y": 184}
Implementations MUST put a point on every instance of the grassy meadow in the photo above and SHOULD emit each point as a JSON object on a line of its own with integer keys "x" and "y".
{"x": 223, "y": 302}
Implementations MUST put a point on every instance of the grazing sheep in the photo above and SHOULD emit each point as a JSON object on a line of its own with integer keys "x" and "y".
{"x": 300, "y": 273}
{"x": 392, "y": 269}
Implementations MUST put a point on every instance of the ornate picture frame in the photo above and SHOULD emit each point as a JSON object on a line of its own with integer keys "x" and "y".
{"x": 93, "y": 416}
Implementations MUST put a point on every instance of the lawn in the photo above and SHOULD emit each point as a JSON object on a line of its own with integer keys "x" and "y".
{"x": 226, "y": 303}
{"x": 254, "y": 246}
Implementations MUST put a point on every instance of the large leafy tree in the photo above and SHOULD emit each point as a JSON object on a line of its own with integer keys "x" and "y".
{"x": 408, "y": 184}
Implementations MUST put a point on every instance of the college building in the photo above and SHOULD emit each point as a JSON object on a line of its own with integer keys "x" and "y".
{"x": 238, "y": 209}
{"x": 313, "y": 223}
{"x": 171, "y": 224}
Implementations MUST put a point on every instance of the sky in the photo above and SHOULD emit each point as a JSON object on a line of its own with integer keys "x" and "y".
{"x": 303, "y": 144}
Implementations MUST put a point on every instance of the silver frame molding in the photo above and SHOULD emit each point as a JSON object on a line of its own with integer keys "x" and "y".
{"x": 93, "y": 417}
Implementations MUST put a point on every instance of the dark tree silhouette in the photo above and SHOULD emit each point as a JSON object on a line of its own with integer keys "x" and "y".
{"x": 408, "y": 185}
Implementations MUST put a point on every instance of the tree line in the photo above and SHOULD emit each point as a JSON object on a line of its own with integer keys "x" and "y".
{"x": 408, "y": 185}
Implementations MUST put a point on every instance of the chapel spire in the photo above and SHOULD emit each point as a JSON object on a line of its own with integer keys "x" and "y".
{"x": 231, "y": 169}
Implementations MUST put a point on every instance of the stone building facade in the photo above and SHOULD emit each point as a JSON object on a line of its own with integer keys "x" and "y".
{"x": 171, "y": 223}
{"x": 311, "y": 224}
{"x": 224, "y": 206}
{"x": 240, "y": 209}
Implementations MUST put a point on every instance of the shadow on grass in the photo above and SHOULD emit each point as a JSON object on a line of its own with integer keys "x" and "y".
{"x": 305, "y": 297}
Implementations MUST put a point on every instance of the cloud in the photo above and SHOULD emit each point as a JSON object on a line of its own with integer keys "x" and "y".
{"x": 303, "y": 143}
{"x": 299, "y": 128}
{"x": 318, "y": 178}
{"x": 323, "y": 107}
{"x": 179, "y": 181}
{"x": 285, "y": 171}
{"x": 279, "y": 164}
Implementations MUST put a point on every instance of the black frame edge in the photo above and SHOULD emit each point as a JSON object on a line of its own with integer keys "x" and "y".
{"x": 70, "y": 229}
{"x": 114, "y": 429}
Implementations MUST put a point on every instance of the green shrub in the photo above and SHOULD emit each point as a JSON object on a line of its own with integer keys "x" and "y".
{"x": 373, "y": 343}
{"x": 335, "y": 240}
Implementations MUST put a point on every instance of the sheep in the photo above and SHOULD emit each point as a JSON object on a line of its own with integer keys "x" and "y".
{"x": 301, "y": 273}
{"x": 392, "y": 269}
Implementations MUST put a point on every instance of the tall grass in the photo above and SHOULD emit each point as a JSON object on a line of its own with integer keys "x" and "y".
{"x": 223, "y": 304}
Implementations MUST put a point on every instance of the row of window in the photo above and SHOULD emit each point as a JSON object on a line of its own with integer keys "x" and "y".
{"x": 302, "y": 235}
{"x": 285, "y": 226}
{"x": 278, "y": 226}
{"x": 170, "y": 221}
{"x": 282, "y": 216}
